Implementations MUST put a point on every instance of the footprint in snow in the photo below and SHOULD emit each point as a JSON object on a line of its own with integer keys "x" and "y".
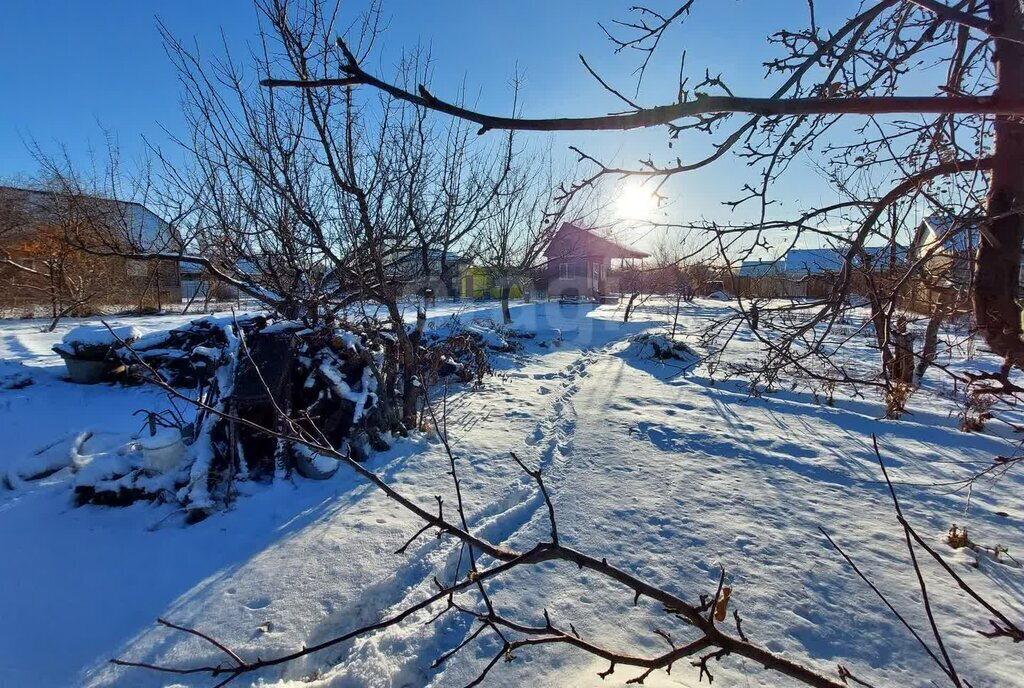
{"x": 744, "y": 543}
{"x": 259, "y": 603}
{"x": 808, "y": 614}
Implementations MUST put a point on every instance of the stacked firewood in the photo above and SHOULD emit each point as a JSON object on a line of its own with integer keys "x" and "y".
{"x": 250, "y": 388}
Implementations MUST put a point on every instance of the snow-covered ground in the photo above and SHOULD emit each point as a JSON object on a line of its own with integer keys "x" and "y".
{"x": 662, "y": 470}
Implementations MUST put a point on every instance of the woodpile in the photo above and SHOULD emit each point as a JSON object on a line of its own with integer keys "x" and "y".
{"x": 256, "y": 384}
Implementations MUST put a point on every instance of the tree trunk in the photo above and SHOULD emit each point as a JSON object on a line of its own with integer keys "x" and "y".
{"x": 629, "y": 307}
{"x": 998, "y": 266}
{"x": 191, "y": 299}
{"x": 54, "y": 299}
{"x": 903, "y": 359}
{"x": 880, "y": 321}
{"x": 290, "y": 309}
{"x": 411, "y": 388}
{"x": 506, "y": 314}
{"x": 931, "y": 337}
{"x": 159, "y": 299}
{"x": 675, "y": 319}
{"x": 53, "y": 322}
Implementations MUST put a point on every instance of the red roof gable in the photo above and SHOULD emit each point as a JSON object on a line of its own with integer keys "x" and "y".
{"x": 574, "y": 241}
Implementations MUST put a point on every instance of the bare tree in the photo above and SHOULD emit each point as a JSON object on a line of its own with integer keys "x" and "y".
{"x": 311, "y": 201}
{"x": 454, "y": 187}
{"x": 529, "y": 207}
{"x": 824, "y": 75}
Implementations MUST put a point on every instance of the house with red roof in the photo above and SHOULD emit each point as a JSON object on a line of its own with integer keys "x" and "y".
{"x": 578, "y": 261}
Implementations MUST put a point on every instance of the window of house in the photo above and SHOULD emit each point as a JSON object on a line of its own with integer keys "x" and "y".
{"x": 564, "y": 271}
{"x": 137, "y": 268}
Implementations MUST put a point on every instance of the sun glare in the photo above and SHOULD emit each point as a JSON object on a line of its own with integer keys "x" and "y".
{"x": 635, "y": 203}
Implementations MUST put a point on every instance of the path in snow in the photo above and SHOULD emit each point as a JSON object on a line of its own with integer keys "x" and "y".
{"x": 670, "y": 479}
{"x": 666, "y": 475}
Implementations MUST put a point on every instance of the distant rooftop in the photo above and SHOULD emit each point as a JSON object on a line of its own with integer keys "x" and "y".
{"x": 572, "y": 240}
{"x": 761, "y": 268}
{"x": 814, "y": 261}
{"x": 958, "y": 234}
{"x": 42, "y": 206}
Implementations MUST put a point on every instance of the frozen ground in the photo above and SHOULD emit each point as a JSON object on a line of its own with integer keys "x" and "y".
{"x": 661, "y": 470}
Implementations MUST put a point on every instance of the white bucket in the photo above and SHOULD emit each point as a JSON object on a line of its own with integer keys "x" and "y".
{"x": 163, "y": 451}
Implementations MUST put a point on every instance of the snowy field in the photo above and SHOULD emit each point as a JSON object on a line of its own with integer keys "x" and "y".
{"x": 667, "y": 472}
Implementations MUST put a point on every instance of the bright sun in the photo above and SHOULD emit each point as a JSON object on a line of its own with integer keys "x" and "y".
{"x": 635, "y": 203}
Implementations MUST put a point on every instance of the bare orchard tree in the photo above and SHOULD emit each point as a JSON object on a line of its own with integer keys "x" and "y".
{"x": 676, "y": 270}
{"x": 637, "y": 282}
{"x": 681, "y": 264}
{"x": 309, "y": 201}
{"x": 453, "y": 188}
{"x": 824, "y": 74}
{"x": 529, "y": 207}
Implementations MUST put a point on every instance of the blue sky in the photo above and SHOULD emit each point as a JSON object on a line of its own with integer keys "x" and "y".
{"x": 75, "y": 66}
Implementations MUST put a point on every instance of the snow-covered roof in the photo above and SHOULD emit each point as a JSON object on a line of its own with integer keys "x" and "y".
{"x": 434, "y": 256}
{"x": 817, "y": 261}
{"x": 241, "y": 266}
{"x": 411, "y": 266}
